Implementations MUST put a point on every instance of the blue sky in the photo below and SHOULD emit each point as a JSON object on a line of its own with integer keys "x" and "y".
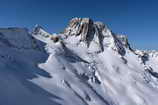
{"x": 138, "y": 19}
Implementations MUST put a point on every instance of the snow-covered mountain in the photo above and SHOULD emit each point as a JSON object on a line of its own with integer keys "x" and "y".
{"x": 87, "y": 64}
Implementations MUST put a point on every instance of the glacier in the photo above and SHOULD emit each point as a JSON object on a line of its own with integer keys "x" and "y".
{"x": 86, "y": 64}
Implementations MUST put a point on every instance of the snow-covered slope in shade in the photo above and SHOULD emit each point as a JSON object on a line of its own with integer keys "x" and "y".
{"x": 19, "y": 56}
{"x": 86, "y": 65}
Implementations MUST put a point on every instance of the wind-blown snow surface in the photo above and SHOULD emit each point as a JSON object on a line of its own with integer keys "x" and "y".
{"x": 70, "y": 73}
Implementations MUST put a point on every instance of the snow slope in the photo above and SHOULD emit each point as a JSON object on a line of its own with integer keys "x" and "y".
{"x": 87, "y": 65}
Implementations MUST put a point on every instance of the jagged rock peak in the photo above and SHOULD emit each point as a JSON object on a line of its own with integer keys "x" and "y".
{"x": 80, "y": 26}
{"x": 94, "y": 34}
{"x": 83, "y": 26}
{"x": 86, "y": 29}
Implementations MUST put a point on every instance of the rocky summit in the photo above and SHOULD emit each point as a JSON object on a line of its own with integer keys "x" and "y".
{"x": 96, "y": 33}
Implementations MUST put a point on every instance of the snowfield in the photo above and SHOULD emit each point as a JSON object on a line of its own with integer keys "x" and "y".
{"x": 87, "y": 64}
